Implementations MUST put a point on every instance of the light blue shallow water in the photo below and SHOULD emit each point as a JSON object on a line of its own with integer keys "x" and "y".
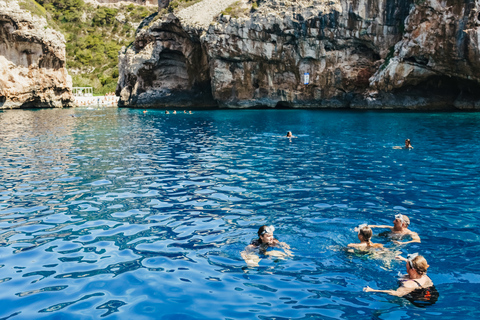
{"x": 118, "y": 214}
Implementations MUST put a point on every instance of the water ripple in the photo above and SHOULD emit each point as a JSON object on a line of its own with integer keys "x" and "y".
{"x": 116, "y": 213}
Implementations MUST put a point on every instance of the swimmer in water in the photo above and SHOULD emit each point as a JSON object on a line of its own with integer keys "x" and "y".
{"x": 265, "y": 240}
{"x": 144, "y": 111}
{"x": 408, "y": 145}
{"x": 174, "y": 111}
{"x": 290, "y": 135}
{"x": 166, "y": 112}
{"x": 400, "y": 228}
{"x": 415, "y": 279}
{"x": 364, "y": 235}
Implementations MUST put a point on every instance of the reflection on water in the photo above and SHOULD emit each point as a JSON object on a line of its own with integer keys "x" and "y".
{"x": 116, "y": 213}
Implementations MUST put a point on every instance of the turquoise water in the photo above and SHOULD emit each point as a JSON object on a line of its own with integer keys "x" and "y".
{"x": 118, "y": 214}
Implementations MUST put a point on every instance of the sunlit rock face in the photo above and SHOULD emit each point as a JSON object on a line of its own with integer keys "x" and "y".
{"x": 315, "y": 53}
{"x": 263, "y": 59}
{"x": 166, "y": 66}
{"x": 437, "y": 62}
{"x": 32, "y": 62}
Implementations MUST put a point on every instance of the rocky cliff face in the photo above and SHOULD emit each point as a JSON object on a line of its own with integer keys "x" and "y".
{"x": 32, "y": 62}
{"x": 166, "y": 66}
{"x": 360, "y": 54}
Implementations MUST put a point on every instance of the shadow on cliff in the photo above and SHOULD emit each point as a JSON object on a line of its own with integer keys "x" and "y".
{"x": 443, "y": 93}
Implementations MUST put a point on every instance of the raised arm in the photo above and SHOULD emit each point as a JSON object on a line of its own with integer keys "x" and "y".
{"x": 381, "y": 226}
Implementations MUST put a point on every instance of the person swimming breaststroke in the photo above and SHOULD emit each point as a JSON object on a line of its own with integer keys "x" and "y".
{"x": 265, "y": 241}
{"x": 415, "y": 286}
{"x": 364, "y": 235}
{"x": 400, "y": 227}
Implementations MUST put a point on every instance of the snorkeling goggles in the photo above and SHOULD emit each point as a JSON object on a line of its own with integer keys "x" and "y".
{"x": 410, "y": 258}
{"x": 268, "y": 229}
{"x": 400, "y": 217}
{"x": 360, "y": 227}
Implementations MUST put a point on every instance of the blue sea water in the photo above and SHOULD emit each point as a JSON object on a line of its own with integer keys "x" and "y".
{"x": 118, "y": 214}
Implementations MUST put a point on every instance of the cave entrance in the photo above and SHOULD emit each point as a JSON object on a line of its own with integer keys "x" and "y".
{"x": 283, "y": 105}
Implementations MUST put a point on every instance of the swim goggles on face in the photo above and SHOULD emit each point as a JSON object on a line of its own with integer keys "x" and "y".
{"x": 410, "y": 258}
{"x": 268, "y": 229}
{"x": 400, "y": 217}
{"x": 360, "y": 227}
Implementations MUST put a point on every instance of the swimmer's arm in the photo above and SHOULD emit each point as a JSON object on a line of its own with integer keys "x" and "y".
{"x": 415, "y": 239}
{"x": 400, "y": 292}
{"x": 286, "y": 248}
{"x": 251, "y": 259}
{"x": 380, "y": 226}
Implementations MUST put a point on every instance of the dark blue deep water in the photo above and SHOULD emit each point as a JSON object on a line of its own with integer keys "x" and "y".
{"x": 117, "y": 214}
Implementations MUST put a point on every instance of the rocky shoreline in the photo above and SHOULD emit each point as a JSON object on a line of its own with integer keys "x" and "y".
{"x": 363, "y": 54}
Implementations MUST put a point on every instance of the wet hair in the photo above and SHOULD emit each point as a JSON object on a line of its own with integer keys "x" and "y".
{"x": 420, "y": 264}
{"x": 260, "y": 230}
{"x": 406, "y": 220}
{"x": 366, "y": 233}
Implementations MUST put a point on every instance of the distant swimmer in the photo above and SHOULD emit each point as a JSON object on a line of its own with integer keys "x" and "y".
{"x": 144, "y": 111}
{"x": 166, "y": 112}
{"x": 262, "y": 244}
{"x": 190, "y": 112}
{"x": 400, "y": 229}
{"x": 364, "y": 235}
{"x": 415, "y": 286}
{"x": 174, "y": 111}
{"x": 408, "y": 145}
{"x": 184, "y": 111}
{"x": 290, "y": 135}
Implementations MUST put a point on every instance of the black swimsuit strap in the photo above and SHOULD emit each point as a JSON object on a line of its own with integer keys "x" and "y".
{"x": 417, "y": 283}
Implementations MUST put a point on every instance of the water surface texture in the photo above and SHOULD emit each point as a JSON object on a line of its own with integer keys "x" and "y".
{"x": 118, "y": 214}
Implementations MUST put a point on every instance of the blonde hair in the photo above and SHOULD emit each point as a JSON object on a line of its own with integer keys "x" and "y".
{"x": 420, "y": 264}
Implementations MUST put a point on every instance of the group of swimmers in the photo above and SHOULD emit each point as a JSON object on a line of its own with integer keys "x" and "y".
{"x": 415, "y": 285}
{"x": 174, "y": 111}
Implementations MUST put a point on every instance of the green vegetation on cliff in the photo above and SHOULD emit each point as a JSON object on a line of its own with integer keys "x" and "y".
{"x": 94, "y": 35}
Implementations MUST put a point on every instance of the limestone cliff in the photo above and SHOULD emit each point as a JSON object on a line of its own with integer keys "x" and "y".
{"x": 32, "y": 62}
{"x": 357, "y": 53}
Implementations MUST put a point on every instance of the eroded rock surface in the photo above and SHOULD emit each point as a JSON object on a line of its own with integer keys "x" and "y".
{"x": 32, "y": 62}
{"x": 357, "y": 54}
{"x": 166, "y": 66}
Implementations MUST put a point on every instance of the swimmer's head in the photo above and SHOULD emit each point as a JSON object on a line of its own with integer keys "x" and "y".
{"x": 418, "y": 263}
{"x": 289, "y": 134}
{"x": 403, "y": 219}
{"x": 265, "y": 234}
{"x": 365, "y": 232}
